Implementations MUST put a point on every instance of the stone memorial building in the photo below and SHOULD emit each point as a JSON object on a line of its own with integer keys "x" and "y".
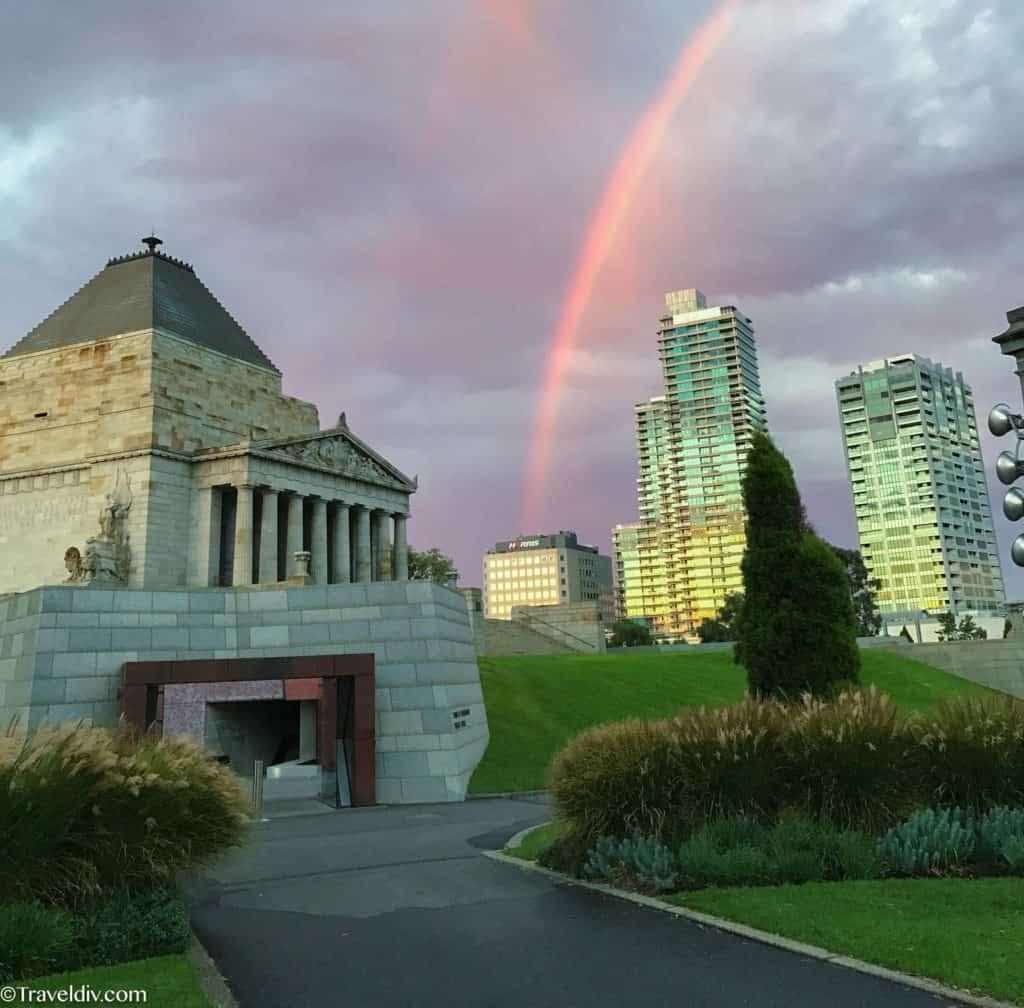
{"x": 164, "y": 506}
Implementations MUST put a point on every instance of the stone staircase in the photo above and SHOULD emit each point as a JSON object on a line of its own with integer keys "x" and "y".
{"x": 502, "y": 637}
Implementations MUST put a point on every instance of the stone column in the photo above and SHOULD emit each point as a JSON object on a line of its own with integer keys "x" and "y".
{"x": 242, "y": 571}
{"x": 342, "y": 564}
{"x": 268, "y": 538}
{"x": 206, "y": 552}
{"x": 318, "y": 541}
{"x": 293, "y": 542}
{"x": 401, "y": 549}
{"x": 362, "y": 544}
{"x": 383, "y": 519}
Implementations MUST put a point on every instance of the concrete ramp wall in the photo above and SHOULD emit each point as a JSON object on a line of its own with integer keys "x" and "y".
{"x": 998, "y": 664}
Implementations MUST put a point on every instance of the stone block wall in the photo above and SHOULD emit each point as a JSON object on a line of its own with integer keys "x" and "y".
{"x": 202, "y": 399}
{"x": 577, "y": 625}
{"x": 62, "y": 649}
{"x": 62, "y": 406}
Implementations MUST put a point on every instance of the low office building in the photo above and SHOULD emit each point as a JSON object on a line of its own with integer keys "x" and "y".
{"x": 546, "y": 570}
{"x": 180, "y": 542}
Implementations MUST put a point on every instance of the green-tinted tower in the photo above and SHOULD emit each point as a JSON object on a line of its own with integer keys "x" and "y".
{"x": 919, "y": 491}
{"x": 692, "y": 443}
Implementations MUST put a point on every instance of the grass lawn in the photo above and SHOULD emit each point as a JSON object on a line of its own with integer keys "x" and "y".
{"x": 962, "y": 932}
{"x": 536, "y": 703}
{"x": 168, "y": 981}
{"x": 536, "y": 842}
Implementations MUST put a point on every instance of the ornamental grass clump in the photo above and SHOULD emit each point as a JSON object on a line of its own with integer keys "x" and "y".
{"x": 852, "y": 760}
{"x": 970, "y": 752}
{"x": 729, "y": 761}
{"x": 85, "y": 809}
{"x": 848, "y": 760}
{"x": 663, "y": 778}
{"x": 617, "y": 780}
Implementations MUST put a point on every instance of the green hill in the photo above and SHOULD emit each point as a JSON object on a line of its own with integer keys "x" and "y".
{"x": 536, "y": 703}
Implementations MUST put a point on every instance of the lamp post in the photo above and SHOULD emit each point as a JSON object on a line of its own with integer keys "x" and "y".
{"x": 1002, "y": 420}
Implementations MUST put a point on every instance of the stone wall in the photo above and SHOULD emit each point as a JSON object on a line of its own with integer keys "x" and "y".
{"x": 141, "y": 390}
{"x": 204, "y": 399}
{"x": 503, "y": 637}
{"x": 63, "y": 406}
{"x": 62, "y": 649}
{"x": 72, "y": 418}
{"x": 577, "y": 625}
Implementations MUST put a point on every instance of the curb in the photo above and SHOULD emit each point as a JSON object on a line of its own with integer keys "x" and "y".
{"x": 516, "y": 840}
{"x": 211, "y": 982}
{"x": 753, "y": 934}
{"x": 536, "y": 793}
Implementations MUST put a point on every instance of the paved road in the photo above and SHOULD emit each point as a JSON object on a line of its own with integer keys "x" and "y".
{"x": 374, "y": 908}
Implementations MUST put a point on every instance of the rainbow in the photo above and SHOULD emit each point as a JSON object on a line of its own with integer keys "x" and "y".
{"x": 601, "y": 232}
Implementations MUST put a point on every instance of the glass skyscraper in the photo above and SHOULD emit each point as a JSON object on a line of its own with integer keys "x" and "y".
{"x": 919, "y": 491}
{"x": 692, "y": 443}
{"x": 626, "y": 567}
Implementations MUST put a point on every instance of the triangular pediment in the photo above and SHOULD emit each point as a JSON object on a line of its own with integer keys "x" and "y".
{"x": 339, "y": 451}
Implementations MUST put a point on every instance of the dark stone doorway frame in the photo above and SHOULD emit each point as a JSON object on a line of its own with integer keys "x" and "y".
{"x": 320, "y": 675}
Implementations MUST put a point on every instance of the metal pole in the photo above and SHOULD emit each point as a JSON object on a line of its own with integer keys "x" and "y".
{"x": 257, "y": 785}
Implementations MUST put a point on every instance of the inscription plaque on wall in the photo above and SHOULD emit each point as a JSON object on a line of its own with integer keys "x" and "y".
{"x": 40, "y": 509}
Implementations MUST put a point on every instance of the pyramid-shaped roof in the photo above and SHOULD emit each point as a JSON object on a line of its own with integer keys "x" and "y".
{"x": 148, "y": 290}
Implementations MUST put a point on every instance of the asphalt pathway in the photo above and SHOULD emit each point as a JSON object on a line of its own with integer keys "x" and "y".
{"x": 382, "y": 907}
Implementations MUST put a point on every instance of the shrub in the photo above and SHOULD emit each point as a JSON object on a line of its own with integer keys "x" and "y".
{"x": 638, "y": 862}
{"x": 1001, "y": 838}
{"x": 702, "y": 864}
{"x": 728, "y": 761}
{"x": 1012, "y": 852}
{"x": 133, "y": 924}
{"x": 34, "y": 940}
{"x": 849, "y": 760}
{"x": 797, "y": 631}
{"x": 930, "y": 842}
{"x": 853, "y": 761}
{"x": 740, "y": 851}
{"x": 617, "y": 779}
{"x": 566, "y": 854}
{"x": 971, "y": 752}
{"x": 955, "y": 841}
{"x": 855, "y": 855}
{"x": 85, "y": 809}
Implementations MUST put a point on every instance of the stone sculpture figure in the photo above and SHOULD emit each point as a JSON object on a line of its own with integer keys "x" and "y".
{"x": 107, "y": 556}
{"x": 73, "y": 564}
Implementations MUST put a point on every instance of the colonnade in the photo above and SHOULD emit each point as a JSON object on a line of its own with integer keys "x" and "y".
{"x": 346, "y": 542}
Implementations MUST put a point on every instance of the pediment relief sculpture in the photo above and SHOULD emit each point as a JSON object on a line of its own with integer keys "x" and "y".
{"x": 341, "y": 455}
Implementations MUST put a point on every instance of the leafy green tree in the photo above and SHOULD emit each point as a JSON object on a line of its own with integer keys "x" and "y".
{"x": 626, "y": 633}
{"x": 432, "y": 565}
{"x": 969, "y": 630}
{"x": 1007, "y": 627}
{"x": 797, "y": 631}
{"x": 863, "y": 591}
{"x": 966, "y": 630}
{"x": 724, "y": 627}
{"x": 947, "y": 627}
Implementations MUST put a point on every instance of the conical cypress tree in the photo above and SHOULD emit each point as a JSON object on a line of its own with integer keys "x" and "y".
{"x": 797, "y": 632}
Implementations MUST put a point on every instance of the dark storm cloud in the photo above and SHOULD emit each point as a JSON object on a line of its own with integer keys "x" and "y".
{"x": 390, "y": 198}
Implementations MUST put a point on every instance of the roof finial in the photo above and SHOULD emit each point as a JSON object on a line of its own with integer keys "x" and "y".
{"x": 152, "y": 241}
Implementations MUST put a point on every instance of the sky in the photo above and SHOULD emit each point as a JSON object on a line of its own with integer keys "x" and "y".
{"x": 392, "y": 198}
